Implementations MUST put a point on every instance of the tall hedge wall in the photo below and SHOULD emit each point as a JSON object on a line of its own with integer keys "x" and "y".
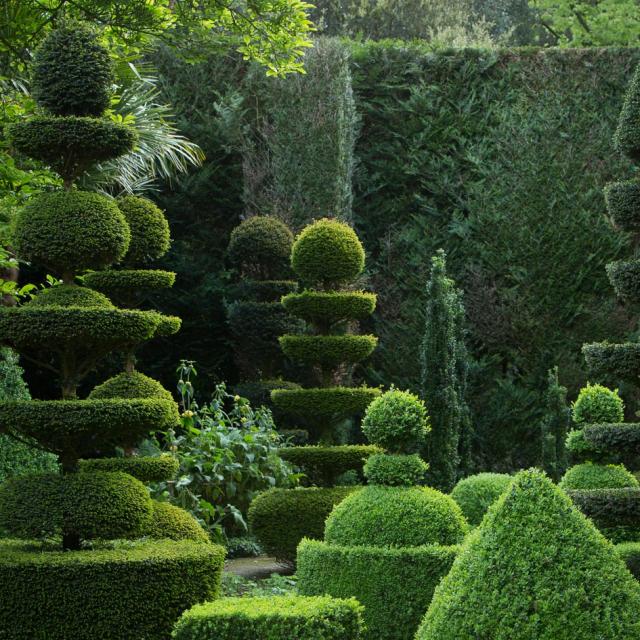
{"x": 497, "y": 157}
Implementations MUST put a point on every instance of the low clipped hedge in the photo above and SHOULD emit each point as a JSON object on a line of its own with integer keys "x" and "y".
{"x": 126, "y": 591}
{"x": 623, "y": 204}
{"x": 275, "y": 618}
{"x": 477, "y": 493}
{"x": 174, "y": 523}
{"x": 623, "y": 438}
{"x": 597, "y": 476}
{"x": 280, "y": 518}
{"x": 323, "y": 465}
{"x": 326, "y": 308}
{"x": 328, "y": 350}
{"x": 144, "y": 468}
{"x": 618, "y": 361}
{"x": 394, "y": 585}
{"x": 625, "y": 278}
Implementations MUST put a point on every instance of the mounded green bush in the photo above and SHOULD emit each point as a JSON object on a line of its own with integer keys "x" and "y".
{"x": 618, "y": 361}
{"x": 397, "y": 421}
{"x": 328, "y": 350}
{"x": 389, "y": 517}
{"x": 597, "y": 476}
{"x": 70, "y": 231}
{"x": 261, "y": 246}
{"x": 174, "y": 523}
{"x": 623, "y": 204}
{"x": 128, "y": 286}
{"x": 327, "y": 251}
{"x": 326, "y": 308}
{"x": 130, "y": 385}
{"x": 150, "y": 237}
{"x": 597, "y": 404}
{"x": 70, "y": 296}
{"x": 275, "y": 618}
{"x": 144, "y": 468}
{"x": 625, "y": 278}
{"x": 121, "y": 592}
{"x": 395, "y": 470}
{"x": 477, "y": 493}
{"x": 72, "y": 73}
{"x": 263, "y": 290}
{"x": 280, "y": 518}
{"x": 535, "y": 568}
{"x": 626, "y": 139}
{"x": 394, "y": 585}
{"x": 323, "y": 465}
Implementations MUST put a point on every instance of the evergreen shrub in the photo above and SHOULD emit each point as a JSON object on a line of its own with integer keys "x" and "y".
{"x": 477, "y": 493}
{"x": 597, "y": 404}
{"x": 613, "y": 361}
{"x": 597, "y": 476}
{"x": 625, "y": 278}
{"x": 121, "y": 283}
{"x": 328, "y": 350}
{"x": 326, "y": 308}
{"x": 144, "y": 468}
{"x": 130, "y": 384}
{"x": 626, "y": 139}
{"x": 397, "y": 470}
{"x": 70, "y": 296}
{"x": 623, "y": 204}
{"x": 150, "y": 237}
{"x": 174, "y": 523}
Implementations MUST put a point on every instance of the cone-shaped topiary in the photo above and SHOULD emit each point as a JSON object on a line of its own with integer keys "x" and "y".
{"x": 535, "y": 569}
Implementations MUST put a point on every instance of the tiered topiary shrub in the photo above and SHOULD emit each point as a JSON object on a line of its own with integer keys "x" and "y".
{"x": 67, "y": 574}
{"x": 536, "y": 568}
{"x": 388, "y": 544}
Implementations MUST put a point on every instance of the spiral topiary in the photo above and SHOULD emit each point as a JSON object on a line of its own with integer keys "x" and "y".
{"x": 150, "y": 237}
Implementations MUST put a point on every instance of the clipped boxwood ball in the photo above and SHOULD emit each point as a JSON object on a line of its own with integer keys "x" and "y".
{"x": 396, "y": 421}
{"x": 150, "y": 237}
{"x": 70, "y": 296}
{"x": 598, "y": 405}
{"x": 72, "y": 72}
{"x": 476, "y": 494}
{"x": 70, "y": 231}
{"x": 130, "y": 385}
{"x": 327, "y": 251}
{"x": 261, "y": 247}
{"x": 174, "y": 523}
{"x": 396, "y": 517}
{"x": 589, "y": 476}
{"x": 395, "y": 470}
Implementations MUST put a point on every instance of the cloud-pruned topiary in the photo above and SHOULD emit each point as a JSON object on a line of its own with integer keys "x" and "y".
{"x": 597, "y": 405}
{"x": 477, "y": 493}
{"x": 535, "y": 569}
{"x": 70, "y": 296}
{"x": 589, "y": 476}
{"x": 130, "y": 384}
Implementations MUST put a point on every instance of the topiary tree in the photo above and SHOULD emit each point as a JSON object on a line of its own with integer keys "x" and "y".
{"x": 554, "y": 427}
{"x": 535, "y": 568}
{"x": 67, "y": 330}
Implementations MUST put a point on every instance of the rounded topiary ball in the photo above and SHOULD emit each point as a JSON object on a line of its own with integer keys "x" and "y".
{"x": 66, "y": 295}
{"x": 597, "y": 404}
{"x": 261, "y": 247}
{"x": 174, "y": 523}
{"x": 72, "y": 73}
{"x": 70, "y": 231}
{"x": 150, "y": 236}
{"x": 396, "y": 517}
{"x": 476, "y": 494}
{"x": 589, "y": 476}
{"x": 327, "y": 251}
{"x": 397, "y": 421}
{"x": 130, "y": 385}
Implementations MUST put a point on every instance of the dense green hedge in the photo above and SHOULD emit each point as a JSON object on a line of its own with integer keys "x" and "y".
{"x": 326, "y": 308}
{"x": 613, "y": 361}
{"x": 146, "y": 469}
{"x": 394, "y": 585}
{"x": 625, "y": 276}
{"x": 275, "y": 618}
{"x": 616, "y": 512}
{"x": 128, "y": 592}
{"x": 280, "y": 518}
{"x": 395, "y": 470}
{"x": 477, "y": 493}
{"x": 588, "y": 476}
{"x": 124, "y": 283}
{"x": 328, "y": 350}
{"x": 630, "y": 553}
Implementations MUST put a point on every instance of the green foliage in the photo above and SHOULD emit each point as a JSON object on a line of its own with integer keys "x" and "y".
{"x": 554, "y": 427}
{"x": 327, "y": 252}
{"x": 621, "y": 441}
{"x": 169, "y": 521}
{"x": 275, "y": 585}
{"x": 150, "y": 237}
{"x": 623, "y": 204}
{"x": 397, "y": 421}
{"x": 144, "y": 468}
{"x": 67, "y": 295}
{"x": 274, "y": 618}
{"x": 122, "y": 592}
{"x": 624, "y": 275}
{"x": 264, "y": 290}
{"x": 127, "y": 287}
{"x": 280, "y": 519}
{"x": 396, "y": 517}
{"x": 394, "y": 585}
{"x": 260, "y": 247}
{"x": 130, "y": 385}
{"x": 395, "y": 470}
{"x": 258, "y": 392}
{"x": 328, "y": 351}
{"x": 503, "y": 573}
{"x": 597, "y": 404}
{"x": 477, "y": 493}
{"x": 326, "y": 308}
{"x": 589, "y": 476}
{"x": 73, "y": 73}
{"x": 613, "y": 361}
{"x": 627, "y": 136}
{"x": 324, "y": 465}
{"x": 70, "y": 231}
{"x": 630, "y": 554}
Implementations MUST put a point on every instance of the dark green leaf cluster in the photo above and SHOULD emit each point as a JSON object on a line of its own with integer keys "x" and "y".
{"x": 263, "y": 290}
{"x": 70, "y": 231}
{"x": 150, "y": 237}
{"x": 621, "y": 439}
{"x": 394, "y": 585}
{"x": 477, "y": 493}
{"x": 610, "y": 508}
{"x": 627, "y": 136}
{"x": 123, "y": 284}
{"x": 70, "y": 144}
{"x": 625, "y": 278}
{"x": 276, "y": 618}
{"x": 396, "y": 517}
{"x": 173, "y": 523}
{"x": 72, "y": 73}
{"x": 281, "y": 518}
{"x": 328, "y": 351}
{"x": 327, "y": 252}
{"x": 324, "y": 464}
{"x": 258, "y": 392}
{"x": 395, "y": 470}
{"x": 597, "y": 404}
{"x": 613, "y": 361}
{"x": 144, "y": 468}
{"x": 535, "y": 568}
{"x": 67, "y": 295}
{"x": 326, "y": 308}
{"x": 623, "y": 204}
{"x": 597, "y": 476}
{"x": 630, "y": 553}
{"x": 130, "y": 385}
{"x": 121, "y": 592}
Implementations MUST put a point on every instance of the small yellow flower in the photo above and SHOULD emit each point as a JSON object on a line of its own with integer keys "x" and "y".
{"x": 187, "y": 414}
{"x": 236, "y": 398}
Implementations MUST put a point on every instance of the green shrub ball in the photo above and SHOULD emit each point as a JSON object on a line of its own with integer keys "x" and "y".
{"x": 396, "y": 517}
{"x": 67, "y": 295}
{"x": 150, "y": 236}
{"x": 174, "y": 523}
{"x": 476, "y": 494}
{"x": 598, "y": 405}
{"x": 397, "y": 470}
{"x": 396, "y": 421}
{"x": 130, "y": 385}
{"x": 72, "y": 73}
{"x": 589, "y": 476}
{"x": 70, "y": 231}
{"x": 327, "y": 251}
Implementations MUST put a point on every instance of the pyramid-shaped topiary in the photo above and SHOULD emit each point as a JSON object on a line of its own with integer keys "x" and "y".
{"x": 111, "y": 591}
{"x": 535, "y": 569}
